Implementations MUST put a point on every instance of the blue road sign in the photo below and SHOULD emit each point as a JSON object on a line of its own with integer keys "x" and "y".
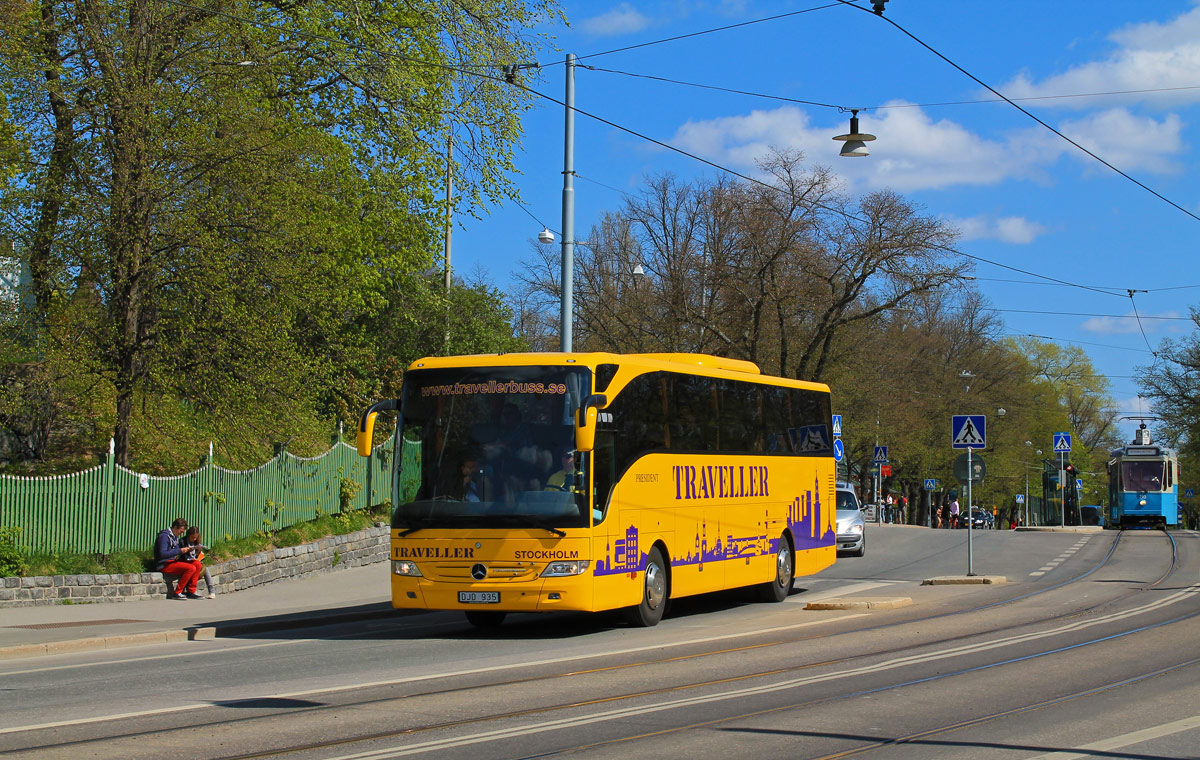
{"x": 1062, "y": 443}
{"x": 968, "y": 431}
{"x": 880, "y": 455}
{"x": 839, "y": 450}
{"x": 1020, "y": 498}
{"x": 1190, "y": 493}
{"x": 837, "y": 426}
{"x": 930, "y": 484}
{"x": 1079, "y": 483}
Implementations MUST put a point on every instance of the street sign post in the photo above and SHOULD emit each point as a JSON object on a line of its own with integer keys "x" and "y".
{"x": 969, "y": 431}
{"x": 1062, "y": 447}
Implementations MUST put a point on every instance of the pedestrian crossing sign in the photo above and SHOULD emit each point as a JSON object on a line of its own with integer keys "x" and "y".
{"x": 880, "y": 455}
{"x": 1020, "y": 498}
{"x": 837, "y": 426}
{"x": 968, "y": 431}
{"x": 930, "y": 484}
{"x": 1062, "y": 443}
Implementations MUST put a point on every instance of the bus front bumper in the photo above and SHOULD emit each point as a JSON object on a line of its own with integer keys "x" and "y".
{"x": 541, "y": 595}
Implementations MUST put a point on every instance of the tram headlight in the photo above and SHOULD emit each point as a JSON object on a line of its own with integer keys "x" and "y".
{"x": 563, "y": 569}
{"x": 405, "y": 567}
{"x": 1141, "y": 502}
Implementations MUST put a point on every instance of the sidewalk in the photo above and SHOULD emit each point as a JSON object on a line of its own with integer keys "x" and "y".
{"x": 357, "y": 593}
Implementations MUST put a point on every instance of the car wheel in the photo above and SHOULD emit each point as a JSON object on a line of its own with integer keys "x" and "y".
{"x": 655, "y": 592}
{"x": 862, "y": 549}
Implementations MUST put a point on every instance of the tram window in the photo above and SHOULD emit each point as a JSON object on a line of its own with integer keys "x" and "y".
{"x": 1142, "y": 476}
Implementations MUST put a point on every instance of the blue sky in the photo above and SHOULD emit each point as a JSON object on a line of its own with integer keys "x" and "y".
{"x": 1021, "y": 195}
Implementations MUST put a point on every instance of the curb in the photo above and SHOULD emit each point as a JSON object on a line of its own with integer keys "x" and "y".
{"x": 190, "y": 633}
{"x": 964, "y": 580}
{"x": 889, "y": 603}
{"x": 90, "y": 645}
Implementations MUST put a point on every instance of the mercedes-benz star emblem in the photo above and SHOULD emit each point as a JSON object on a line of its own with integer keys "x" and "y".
{"x": 478, "y": 572}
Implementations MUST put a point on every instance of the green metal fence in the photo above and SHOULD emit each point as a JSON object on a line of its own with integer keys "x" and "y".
{"x": 111, "y": 508}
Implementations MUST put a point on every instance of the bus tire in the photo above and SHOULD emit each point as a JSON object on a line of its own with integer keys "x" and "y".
{"x": 485, "y": 618}
{"x": 777, "y": 590}
{"x": 655, "y": 592}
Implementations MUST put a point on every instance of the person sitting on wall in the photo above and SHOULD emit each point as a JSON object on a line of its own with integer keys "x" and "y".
{"x": 169, "y": 559}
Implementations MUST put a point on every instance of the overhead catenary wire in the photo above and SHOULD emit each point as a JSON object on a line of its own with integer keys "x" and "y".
{"x": 786, "y": 99}
{"x": 1010, "y": 101}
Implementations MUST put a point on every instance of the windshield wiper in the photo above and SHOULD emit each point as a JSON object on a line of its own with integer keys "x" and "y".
{"x": 531, "y": 523}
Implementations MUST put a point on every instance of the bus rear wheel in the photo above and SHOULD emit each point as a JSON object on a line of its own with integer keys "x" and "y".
{"x": 485, "y": 618}
{"x": 785, "y": 574}
{"x": 655, "y": 592}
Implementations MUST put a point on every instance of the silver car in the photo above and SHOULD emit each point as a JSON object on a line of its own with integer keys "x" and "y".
{"x": 851, "y": 531}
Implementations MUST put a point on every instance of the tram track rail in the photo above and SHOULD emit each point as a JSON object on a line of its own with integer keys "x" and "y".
{"x": 643, "y": 663}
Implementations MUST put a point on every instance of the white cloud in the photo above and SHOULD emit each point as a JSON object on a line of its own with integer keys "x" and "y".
{"x": 915, "y": 152}
{"x": 1128, "y": 324}
{"x": 1149, "y": 56}
{"x": 1007, "y": 229}
{"x": 624, "y": 19}
{"x": 1128, "y": 142}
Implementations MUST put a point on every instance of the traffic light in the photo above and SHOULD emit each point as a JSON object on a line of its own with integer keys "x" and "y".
{"x": 1070, "y": 470}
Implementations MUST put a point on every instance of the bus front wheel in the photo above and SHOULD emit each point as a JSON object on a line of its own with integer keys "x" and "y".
{"x": 785, "y": 573}
{"x": 654, "y": 593}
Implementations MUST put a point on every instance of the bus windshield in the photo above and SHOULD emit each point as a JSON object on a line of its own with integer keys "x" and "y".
{"x": 497, "y": 448}
{"x": 1143, "y": 476}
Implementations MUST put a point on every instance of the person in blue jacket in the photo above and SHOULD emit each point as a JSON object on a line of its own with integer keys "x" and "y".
{"x": 170, "y": 560}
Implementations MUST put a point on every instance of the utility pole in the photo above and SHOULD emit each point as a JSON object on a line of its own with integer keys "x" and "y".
{"x": 568, "y": 209}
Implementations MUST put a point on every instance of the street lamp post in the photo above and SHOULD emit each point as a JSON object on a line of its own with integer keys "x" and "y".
{"x": 568, "y": 209}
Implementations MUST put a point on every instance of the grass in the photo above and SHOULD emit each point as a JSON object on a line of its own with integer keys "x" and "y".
{"x": 140, "y": 562}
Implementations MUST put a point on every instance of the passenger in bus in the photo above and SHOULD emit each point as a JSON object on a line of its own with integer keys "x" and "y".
{"x": 471, "y": 479}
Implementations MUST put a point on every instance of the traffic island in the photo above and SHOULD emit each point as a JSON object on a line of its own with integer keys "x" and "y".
{"x": 887, "y": 603}
{"x": 960, "y": 580}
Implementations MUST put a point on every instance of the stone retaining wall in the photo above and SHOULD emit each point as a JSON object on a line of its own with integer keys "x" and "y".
{"x": 327, "y": 555}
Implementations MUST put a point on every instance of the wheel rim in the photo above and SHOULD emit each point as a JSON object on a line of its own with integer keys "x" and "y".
{"x": 783, "y": 564}
{"x": 656, "y": 586}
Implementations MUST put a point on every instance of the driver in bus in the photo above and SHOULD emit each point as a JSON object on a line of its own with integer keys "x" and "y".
{"x": 567, "y": 477}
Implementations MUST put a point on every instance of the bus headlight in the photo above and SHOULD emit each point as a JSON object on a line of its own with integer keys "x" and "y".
{"x": 405, "y": 567}
{"x": 561, "y": 569}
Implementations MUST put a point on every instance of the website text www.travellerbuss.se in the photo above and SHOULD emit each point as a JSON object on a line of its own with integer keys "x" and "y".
{"x": 492, "y": 386}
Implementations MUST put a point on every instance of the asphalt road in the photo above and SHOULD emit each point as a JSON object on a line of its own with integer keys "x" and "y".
{"x": 1091, "y": 650}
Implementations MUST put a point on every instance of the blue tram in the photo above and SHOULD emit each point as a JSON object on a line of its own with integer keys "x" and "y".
{"x": 1143, "y": 484}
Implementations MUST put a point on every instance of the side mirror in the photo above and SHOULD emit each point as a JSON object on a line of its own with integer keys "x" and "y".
{"x": 585, "y": 421}
{"x": 366, "y": 425}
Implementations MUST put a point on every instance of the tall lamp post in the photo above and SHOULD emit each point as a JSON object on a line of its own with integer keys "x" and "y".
{"x": 568, "y": 209}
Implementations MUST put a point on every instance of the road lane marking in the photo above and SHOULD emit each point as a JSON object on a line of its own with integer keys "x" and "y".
{"x": 1124, "y": 740}
{"x": 428, "y": 676}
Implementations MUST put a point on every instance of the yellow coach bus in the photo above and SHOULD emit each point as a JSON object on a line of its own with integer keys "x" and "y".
{"x": 599, "y": 481}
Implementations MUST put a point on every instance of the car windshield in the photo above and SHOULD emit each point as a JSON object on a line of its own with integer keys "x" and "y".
{"x": 846, "y": 500}
{"x": 497, "y": 448}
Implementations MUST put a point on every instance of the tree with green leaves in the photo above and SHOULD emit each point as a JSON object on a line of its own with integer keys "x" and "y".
{"x": 231, "y": 193}
{"x": 1172, "y": 385}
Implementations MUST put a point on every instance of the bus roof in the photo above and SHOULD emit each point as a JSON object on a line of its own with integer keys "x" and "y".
{"x": 703, "y": 364}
